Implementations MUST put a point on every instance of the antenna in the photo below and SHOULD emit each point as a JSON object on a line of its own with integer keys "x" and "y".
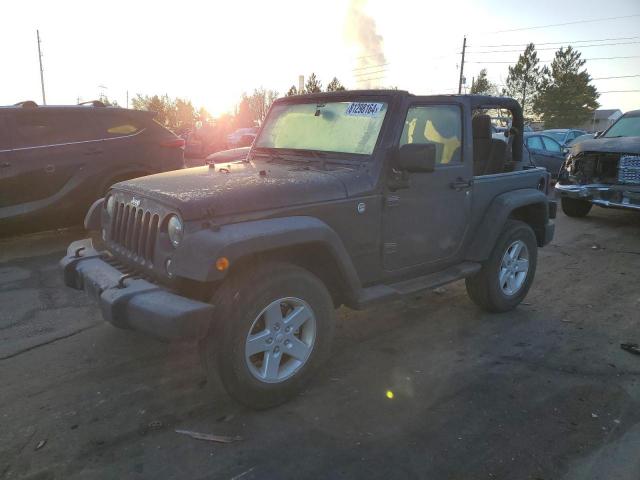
{"x": 44, "y": 100}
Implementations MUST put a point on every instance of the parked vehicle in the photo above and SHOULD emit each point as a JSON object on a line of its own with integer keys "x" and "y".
{"x": 545, "y": 152}
{"x": 352, "y": 197}
{"x": 205, "y": 140}
{"x": 582, "y": 138}
{"x": 228, "y": 156}
{"x": 56, "y": 160}
{"x": 604, "y": 171}
{"x": 243, "y": 137}
{"x": 563, "y": 136}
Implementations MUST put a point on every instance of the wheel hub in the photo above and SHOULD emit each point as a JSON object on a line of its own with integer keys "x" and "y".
{"x": 280, "y": 340}
{"x": 514, "y": 268}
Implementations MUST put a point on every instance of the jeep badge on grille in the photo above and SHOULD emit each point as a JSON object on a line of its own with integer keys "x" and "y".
{"x": 135, "y": 202}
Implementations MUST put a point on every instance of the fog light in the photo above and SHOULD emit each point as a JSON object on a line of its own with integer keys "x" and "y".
{"x": 167, "y": 267}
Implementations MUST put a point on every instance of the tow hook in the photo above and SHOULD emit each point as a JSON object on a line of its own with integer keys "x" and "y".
{"x": 78, "y": 250}
{"x": 122, "y": 279}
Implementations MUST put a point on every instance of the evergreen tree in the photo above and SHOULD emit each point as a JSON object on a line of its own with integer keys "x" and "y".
{"x": 292, "y": 91}
{"x": 524, "y": 79}
{"x": 313, "y": 85}
{"x": 482, "y": 85}
{"x": 566, "y": 96}
{"x": 335, "y": 85}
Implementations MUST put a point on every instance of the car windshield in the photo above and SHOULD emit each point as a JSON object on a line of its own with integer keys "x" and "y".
{"x": 559, "y": 136}
{"x": 344, "y": 127}
{"x": 625, "y": 127}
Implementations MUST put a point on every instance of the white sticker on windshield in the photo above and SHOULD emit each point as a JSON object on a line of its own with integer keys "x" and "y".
{"x": 361, "y": 109}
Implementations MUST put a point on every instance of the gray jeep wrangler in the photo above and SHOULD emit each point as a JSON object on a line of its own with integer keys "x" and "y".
{"x": 345, "y": 198}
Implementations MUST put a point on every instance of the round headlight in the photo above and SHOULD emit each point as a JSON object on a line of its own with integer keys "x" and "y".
{"x": 174, "y": 228}
{"x": 111, "y": 205}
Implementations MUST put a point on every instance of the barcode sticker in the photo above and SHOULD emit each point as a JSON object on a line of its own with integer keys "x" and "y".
{"x": 361, "y": 109}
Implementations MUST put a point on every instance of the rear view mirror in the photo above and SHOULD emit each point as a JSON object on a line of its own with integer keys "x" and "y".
{"x": 416, "y": 157}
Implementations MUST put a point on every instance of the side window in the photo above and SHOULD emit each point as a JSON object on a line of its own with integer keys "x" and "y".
{"x": 551, "y": 145}
{"x": 535, "y": 143}
{"x": 117, "y": 125}
{"x": 439, "y": 124}
{"x": 41, "y": 128}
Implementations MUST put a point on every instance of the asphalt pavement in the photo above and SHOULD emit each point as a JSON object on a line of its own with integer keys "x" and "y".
{"x": 430, "y": 387}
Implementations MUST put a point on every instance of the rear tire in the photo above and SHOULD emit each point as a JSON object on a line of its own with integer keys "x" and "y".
{"x": 253, "y": 307}
{"x": 573, "y": 207}
{"x": 506, "y": 276}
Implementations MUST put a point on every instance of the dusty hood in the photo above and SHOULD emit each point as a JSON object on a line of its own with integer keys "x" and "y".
{"x": 236, "y": 188}
{"x": 608, "y": 145}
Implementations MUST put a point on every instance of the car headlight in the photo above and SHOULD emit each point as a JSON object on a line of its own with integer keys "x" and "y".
{"x": 111, "y": 205}
{"x": 174, "y": 228}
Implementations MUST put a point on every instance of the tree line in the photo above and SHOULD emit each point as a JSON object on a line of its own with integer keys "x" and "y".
{"x": 561, "y": 94}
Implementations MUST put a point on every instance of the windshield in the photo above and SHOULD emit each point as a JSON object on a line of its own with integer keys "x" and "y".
{"x": 625, "y": 127}
{"x": 345, "y": 127}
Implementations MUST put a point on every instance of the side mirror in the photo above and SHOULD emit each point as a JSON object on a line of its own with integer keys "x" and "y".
{"x": 565, "y": 150}
{"x": 598, "y": 134}
{"x": 415, "y": 157}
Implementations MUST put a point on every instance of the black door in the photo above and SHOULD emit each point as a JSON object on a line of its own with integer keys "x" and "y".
{"x": 546, "y": 152}
{"x": 426, "y": 219}
{"x": 50, "y": 147}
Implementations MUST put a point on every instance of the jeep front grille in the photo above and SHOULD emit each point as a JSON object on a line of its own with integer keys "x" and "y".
{"x": 135, "y": 229}
{"x": 629, "y": 169}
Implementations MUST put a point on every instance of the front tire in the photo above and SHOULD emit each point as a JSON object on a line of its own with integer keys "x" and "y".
{"x": 573, "y": 207}
{"x": 276, "y": 325}
{"x": 506, "y": 276}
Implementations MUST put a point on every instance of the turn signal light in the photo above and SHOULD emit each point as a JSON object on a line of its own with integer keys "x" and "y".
{"x": 222, "y": 264}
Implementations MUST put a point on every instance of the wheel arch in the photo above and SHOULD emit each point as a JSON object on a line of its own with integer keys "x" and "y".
{"x": 527, "y": 205}
{"x": 304, "y": 241}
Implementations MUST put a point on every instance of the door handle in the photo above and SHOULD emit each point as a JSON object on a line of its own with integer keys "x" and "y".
{"x": 461, "y": 184}
{"x": 49, "y": 168}
{"x": 5, "y": 164}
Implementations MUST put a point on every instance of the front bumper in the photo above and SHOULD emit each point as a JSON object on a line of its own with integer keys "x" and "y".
{"x": 603, "y": 195}
{"x": 134, "y": 303}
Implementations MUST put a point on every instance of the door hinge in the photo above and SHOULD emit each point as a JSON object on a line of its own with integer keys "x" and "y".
{"x": 390, "y": 248}
{"x": 392, "y": 201}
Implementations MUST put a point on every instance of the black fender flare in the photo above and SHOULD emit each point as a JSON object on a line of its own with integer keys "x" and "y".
{"x": 196, "y": 258}
{"x": 500, "y": 209}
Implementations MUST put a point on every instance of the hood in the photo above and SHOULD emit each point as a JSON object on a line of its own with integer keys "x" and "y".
{"x": 608, "y": 145}
{"x": 236, "y": 188}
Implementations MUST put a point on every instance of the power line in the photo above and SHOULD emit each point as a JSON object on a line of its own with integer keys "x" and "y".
{"x": 565, "y": 23}
{"x": 610, "y": 78}
{"x": 548, "y": 61}
{"x": 370, "y": 72}
{"x": 620, "y": 91}
{"x": 553, "y": 43}
{"x": 555, "y": 48}
{"x": 371, "y": 66}
{"x": 362, "y": 80}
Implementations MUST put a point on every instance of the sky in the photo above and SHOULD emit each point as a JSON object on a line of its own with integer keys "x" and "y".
{"x": 211, "y": 52}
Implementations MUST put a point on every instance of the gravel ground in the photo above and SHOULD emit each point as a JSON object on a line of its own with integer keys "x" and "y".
{"x": 543, "y": 392}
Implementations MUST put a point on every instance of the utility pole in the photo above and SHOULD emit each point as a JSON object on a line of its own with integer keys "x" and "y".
{"x": 127, "y": 98}
{"x": 464, "y": 47}
{"x": 44, "y": 100}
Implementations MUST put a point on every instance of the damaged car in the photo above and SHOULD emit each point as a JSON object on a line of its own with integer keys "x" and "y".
{"x": 604, "y": 171}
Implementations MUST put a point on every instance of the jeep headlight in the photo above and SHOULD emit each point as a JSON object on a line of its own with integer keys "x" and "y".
{"x": 111, "y": 205}
{"x": 174, "y": 228}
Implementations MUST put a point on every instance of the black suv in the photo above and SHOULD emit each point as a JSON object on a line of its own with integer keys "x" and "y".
{"x": 56, "y": 160}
